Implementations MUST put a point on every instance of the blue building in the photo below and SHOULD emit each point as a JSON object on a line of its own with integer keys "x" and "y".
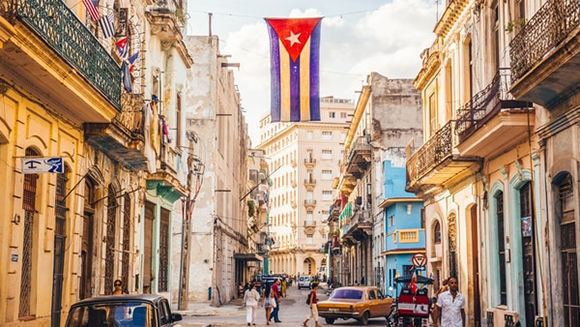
{"x": 404, "y": 226}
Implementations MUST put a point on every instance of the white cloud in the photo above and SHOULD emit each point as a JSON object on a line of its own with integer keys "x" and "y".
{"x": 387, "y": 40}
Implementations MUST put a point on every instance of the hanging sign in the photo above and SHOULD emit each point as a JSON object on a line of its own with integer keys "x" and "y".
{"x": 419, "y": 259}
{"x": 42, "y": 165}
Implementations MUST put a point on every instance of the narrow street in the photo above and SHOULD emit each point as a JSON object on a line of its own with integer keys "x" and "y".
{"x": 293, "y": 310}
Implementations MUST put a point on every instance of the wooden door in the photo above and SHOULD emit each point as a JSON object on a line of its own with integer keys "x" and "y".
{"x": 148, "y": 248}
{"x": 475, "y": 265}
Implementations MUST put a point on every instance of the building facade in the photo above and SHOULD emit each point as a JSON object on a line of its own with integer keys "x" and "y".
{"x": 404, "y": 228}
{"x": 387, "y": 116}
{"x": 220, "y": 217}
{"x": 303, "y": 163}
{"x": 484, "y": 169}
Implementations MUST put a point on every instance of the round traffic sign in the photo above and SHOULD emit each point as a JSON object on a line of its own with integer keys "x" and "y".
{"x": 419, "y": 259}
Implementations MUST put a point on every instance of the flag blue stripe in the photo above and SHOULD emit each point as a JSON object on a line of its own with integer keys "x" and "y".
{"x": 295, "y": 90}
{"x": 275, "y": 100}
{"x": 314, "y": 73}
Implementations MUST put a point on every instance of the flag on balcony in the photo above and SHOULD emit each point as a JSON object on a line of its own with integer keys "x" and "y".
{"x": 148, "y": 149}
{"x": 127, "y": 82}
{"x": 294, "y": 69}
{"x": 132, "y": 60}
{"x": 107, "y": 24}
{"x": 123, "y": 47}
{"x": 92, "y": 9}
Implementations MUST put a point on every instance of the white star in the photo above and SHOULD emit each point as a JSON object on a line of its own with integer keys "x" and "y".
{"x": 293, "y": 38}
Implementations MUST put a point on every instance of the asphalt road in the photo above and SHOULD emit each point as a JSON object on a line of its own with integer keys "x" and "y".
{"x": 293, "y": 310}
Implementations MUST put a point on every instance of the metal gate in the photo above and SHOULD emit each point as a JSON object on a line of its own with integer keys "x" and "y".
{"x": 164, "y": 250}
{"x": 110, "y": 240}
{"x": 528, "y": 254}
{"x": 87, "y": 241}
{"x": 59, "y": 247}
{"x": 126, "y": 240}
{"x": 29, "y": 206}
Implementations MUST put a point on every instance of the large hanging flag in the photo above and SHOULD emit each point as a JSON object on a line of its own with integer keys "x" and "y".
{"x": 294, "y": 68}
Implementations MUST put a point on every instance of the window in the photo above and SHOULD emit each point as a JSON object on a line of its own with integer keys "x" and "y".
{"x": 501, "y": 248}
{"x": 437, "y": 233}
{"x": 343, "y": 115}
{"x": 309, "y": 239}
{"x": 372, "y": 295}
{"x": 326, "y": 135}
{"x": 432, "y": 114}
{"x": 331, "y": 114}
{"x": 391, "y": 221}
{"x": 326, "y": 195}
{"x": 326, "y": 154}
{"x": 407, "y": 269}
{"x": 327, "y": 174}
{"x": 178, "y": 122}
{"x": 309, "y": 216}
{"x": 309, "y": 135}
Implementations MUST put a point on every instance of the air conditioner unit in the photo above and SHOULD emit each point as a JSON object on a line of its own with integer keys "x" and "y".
{"x": 499, "y": 317}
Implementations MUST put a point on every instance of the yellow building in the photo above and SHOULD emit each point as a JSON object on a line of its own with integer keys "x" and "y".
{"x": 48, "y": 91}
{"x": 304, "y": 160}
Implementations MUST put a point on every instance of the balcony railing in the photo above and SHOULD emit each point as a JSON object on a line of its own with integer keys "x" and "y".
{"x": 131, "y": 117}
{"x": 309, "y": 223}
{"x": 309, "y": 203}
{"x": 309, "y": 182}
{"x": 438, "y": 148}
{"x": 551, "y": 24}
{"x": 64, "y": 32}
{"x": 486, "y": 103}
{"x": 309, "y": 161}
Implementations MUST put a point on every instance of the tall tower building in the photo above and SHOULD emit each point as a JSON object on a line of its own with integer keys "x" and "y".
{"x": 304, "y": 159}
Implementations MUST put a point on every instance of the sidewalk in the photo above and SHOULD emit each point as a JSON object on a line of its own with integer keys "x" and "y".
{"x": 202, "y": 309}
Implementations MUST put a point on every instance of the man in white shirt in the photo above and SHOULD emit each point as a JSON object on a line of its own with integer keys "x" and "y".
{"x": 451, "y": 305}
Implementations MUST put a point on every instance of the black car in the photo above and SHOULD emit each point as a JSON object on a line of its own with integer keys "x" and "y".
{"x": 143, "y": 310}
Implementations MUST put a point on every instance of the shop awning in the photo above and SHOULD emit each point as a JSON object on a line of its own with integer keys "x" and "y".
{"x": 247, "y": 257}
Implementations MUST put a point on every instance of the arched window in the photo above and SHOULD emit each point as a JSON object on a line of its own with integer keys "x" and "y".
{"x": 437, "y": 232}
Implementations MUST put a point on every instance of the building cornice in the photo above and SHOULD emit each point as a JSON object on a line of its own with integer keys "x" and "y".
{"x": 299, "y": 125}
{"x": 359, "y": 109}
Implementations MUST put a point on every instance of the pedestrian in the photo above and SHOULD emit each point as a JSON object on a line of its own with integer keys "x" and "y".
{"x": 267, "y": 302}
{"x": 118, "y": 290}
{"x": 251, "y": 299}
{"x": 312, "y": 301}
{"x": 450, "y": 307}
{"x": 276, "y": 297}
{"x": 363, "y": 281}
{"x": 284, "y": 285}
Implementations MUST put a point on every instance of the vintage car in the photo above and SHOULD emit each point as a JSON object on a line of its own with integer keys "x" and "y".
{"x": 142, "y": 310}
{"x": 357, "y": 302}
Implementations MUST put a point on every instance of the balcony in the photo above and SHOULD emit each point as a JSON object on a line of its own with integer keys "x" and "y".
{"x": 545, "y": 54}
{"x": 492, "y": 121}
{"x": 437, "y": 162}
{"x": 166, "y": 179}
{"x": 344, "y": 219}
{"x": 309, "y": 182}
{"x": 359, "y": 157}
{"x": 56, "y": 55}
{"x": 123, "y": 139}
{"x": 360, "y": 226}
{"x": 293, "y": 184}
{"x": 309, "y": 227}
{"x": 309, "y": 162}
{"x": 167, "y": 19}
{"x": 405, "y": 239}
{"x": 310, "y": 204}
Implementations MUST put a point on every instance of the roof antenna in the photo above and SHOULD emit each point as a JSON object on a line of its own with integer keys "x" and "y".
{"x": 209, "y": 14}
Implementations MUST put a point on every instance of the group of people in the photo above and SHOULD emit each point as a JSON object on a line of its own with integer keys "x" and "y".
{"x": 268, "y": 297}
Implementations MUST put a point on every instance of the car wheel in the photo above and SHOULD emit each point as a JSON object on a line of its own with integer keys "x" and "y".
{"x": 329, "y": 321}
{"x": 365, "y": 318}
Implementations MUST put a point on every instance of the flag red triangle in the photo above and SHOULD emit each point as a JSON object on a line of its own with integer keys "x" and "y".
{"x": 293, "y": 32}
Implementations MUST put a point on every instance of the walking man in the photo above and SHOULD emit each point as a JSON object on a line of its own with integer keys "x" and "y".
{"x": 312, "y": 300}
{"x": 276, "y": 296}
{"x": 450, "y": 307}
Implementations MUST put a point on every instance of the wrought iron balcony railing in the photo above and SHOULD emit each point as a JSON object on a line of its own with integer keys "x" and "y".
{"x": 131, "y": 117}
{"x": 551, "y": 24}
{"x": 62, "y": 30}
{"x": 438, "y": 148}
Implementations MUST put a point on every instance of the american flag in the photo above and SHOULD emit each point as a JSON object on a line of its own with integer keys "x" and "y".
{"x": 108, "y": 25}
{"x": 92, "y": 9}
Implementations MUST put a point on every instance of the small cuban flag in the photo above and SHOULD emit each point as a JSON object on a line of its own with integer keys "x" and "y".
{"x": 294, "y": 68}
{"x": 123, "y": 47}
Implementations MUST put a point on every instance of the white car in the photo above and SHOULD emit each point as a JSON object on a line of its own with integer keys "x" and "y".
{"x": 304, "y": 282}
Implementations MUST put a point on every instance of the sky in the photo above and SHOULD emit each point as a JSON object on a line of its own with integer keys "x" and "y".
{"x": 357, "y": 37}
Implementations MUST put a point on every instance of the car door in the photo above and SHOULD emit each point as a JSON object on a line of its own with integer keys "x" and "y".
{"x": 384, "y": 303}
{"x": 372, "y": 303}
{"x": 164, "y": 313}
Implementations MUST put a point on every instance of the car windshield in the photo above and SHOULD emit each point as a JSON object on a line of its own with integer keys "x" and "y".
{"x": 114, "y": 314}
{"x": 304, "y": 278}
{"x": 347, "y": 294}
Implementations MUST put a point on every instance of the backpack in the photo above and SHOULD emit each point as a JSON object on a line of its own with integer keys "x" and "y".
{"x": 309, "y": 298}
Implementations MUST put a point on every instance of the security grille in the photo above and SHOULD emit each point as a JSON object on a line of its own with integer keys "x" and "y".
{"x": 568, "y": 249}
{"x": 126, "y": 238}
{"x": 164, "y": 250}
{"x": 29, "y": 206}
{"x": 59, "y": 247}
{"x": 110, "y": 240}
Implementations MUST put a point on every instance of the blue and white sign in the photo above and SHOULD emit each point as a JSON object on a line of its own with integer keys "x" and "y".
{"x": 42, "y": 165}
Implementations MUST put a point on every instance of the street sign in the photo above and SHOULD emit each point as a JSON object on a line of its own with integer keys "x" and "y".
{"x": 420, "y": 268}
{"x": 419, "y": 259}
{"x": 42, "y": 165}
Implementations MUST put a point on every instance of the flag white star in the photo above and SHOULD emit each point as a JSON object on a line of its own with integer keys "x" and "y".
{"x": 293, "y": 38}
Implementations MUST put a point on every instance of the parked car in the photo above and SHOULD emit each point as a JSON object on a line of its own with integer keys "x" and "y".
{"x": 304, "y": 282}
{"x": 361, "y": 303}
{"x": 143, "y": 310}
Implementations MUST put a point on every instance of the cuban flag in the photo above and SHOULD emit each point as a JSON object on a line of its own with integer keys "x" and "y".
{"x": 294, "y": 60}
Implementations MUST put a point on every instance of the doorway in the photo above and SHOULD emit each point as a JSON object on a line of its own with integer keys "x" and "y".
{"x": 148, "y": 248}
{"x": 87, "y": 241}
{"x": 475, "y": 266}
{"x": 59, "y": 247}
{"x": 528, "y": 253}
